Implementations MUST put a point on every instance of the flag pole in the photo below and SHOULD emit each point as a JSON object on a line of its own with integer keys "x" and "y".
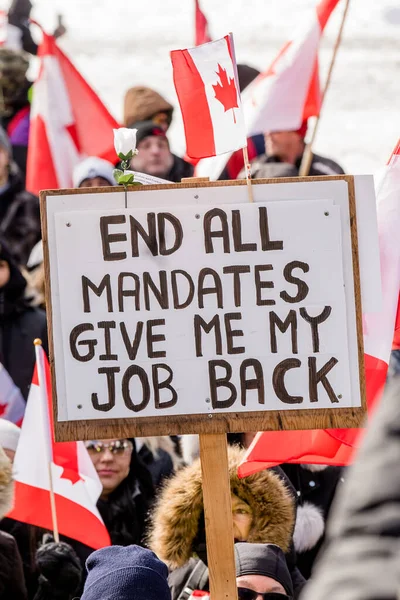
{"x": 42, "y": 386}
{"x": 307, "y": 156}
{"x": 248, "y": 174}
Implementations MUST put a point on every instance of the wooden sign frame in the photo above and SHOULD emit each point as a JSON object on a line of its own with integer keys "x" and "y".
{"x": 210, "y": 423}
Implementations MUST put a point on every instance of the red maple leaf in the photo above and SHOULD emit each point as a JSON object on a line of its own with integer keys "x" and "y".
{"x": 225, "y": 91}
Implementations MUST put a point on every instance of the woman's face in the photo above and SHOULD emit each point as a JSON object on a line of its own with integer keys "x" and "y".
{"x": 242, "y": 519}
{"x": 111, "y": 459}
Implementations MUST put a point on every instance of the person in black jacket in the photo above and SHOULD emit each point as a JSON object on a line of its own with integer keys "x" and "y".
{"x": 20, "y": 323}
{"x": 127, "y": 489}
{"x": 283, "y": 155}
{"x": 315, "y": 487}
{"x": 19, "y": 210}
{"x": 155, "y": 157}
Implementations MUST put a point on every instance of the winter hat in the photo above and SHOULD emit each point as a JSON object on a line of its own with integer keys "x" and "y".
{"x": 146, "y": 129}
{"x": 93, "y": 167}
{"x": 5, "y": 142}
{"x": 263, "y": 559}
{"x": 141, "y": 103}
{"x": 125, "y": 573}
{"x": 176, "y": 518}
{"x": 9, "y": 435}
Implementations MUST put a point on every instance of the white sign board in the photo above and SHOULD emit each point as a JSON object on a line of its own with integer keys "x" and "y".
{"x": 240, "y": 309}
{"x": 178, "y": 304}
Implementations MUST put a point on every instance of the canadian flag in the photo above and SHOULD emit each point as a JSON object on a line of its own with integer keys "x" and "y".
{"x": 75, "y": 482}
{"x": 202, "y": 35}
{"x": 68, "y": 122}
{"x": 337, "y": 446}
{"x": 288, "y": 92}
{"x": 12, "y": 403}
{"x": 206, "y": 83}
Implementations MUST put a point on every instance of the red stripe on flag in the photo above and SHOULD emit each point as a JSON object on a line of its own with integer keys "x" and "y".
{"x": 396, "y": 152}
{"x": 324, "y": 9}
{"x": 40, "y": 159}
{"x": 201, "y": 26}
{"x": 93, "y": 123}
{"x": 320, "y": 446}
{"x": 194, "y": 106}
{"x": 396, "y": 337}
{"x": 32, "y": 505}
{"x": 312, "y": 104}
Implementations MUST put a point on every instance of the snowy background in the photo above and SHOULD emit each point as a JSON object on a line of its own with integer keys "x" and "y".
{"x": 119, "y": 44}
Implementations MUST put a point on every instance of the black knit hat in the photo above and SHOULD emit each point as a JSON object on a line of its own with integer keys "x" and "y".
{"x": 263, "y": 559}
{"x": 146, "y": 129}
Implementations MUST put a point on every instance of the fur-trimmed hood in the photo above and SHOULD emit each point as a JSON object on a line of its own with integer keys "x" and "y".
{"x": 6, "y": 484}
{"x": 177, "y": 514}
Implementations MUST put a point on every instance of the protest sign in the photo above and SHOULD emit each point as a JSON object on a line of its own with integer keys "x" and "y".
{"x": 175, "y": 315}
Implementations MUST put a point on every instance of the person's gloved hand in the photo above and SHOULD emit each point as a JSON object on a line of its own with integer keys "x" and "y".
{"x": 60, "y": 570}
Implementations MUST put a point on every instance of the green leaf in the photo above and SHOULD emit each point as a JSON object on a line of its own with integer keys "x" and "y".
{"x": 126, "y": 179}
{"x": 122, "y": 156}
{"x": 117, "y": 174}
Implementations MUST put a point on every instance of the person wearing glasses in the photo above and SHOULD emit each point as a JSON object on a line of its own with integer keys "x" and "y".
{"x": 127, "y": 489}
{"x": 262, "y": 572}
{"x": 263, "y": 511}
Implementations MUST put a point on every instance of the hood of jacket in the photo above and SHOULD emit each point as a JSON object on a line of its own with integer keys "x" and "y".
{"x": 6, "y": 484}
{"x": 178, "y": 512}
{"x": 141, "y": 103}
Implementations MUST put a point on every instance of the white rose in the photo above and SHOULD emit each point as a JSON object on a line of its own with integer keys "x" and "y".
{"x": 125, "y": 141}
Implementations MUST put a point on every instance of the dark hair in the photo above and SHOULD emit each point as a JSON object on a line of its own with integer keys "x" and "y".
{"x": 125, "y": 511}
{"x": 236, "y": 439}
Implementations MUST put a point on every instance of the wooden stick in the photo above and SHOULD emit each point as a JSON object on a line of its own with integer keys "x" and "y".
{"x": 218, "y": 516}
{"x": 44, "y": 395}
{"x": 248, "y": 174}
{"x": 307, "y": 156}
{"x": 53, "y": 506}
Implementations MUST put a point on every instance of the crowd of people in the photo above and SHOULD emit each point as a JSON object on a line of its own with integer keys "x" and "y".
{"x": 151, "y": 500}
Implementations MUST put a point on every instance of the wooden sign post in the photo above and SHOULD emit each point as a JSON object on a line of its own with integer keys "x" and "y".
{"x": 190, "y": 310}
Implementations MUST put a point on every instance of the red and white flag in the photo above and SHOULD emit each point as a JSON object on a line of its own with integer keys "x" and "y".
{"x": 12, "y": 403}
{"x": 288, "y": 92}
{"x": 337, "y": 446}
{"x": 207, "y": 86}
{"x": 202, "y": 35}
{"x": 75, "y": 482}
{"x": 68, "y": 122}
